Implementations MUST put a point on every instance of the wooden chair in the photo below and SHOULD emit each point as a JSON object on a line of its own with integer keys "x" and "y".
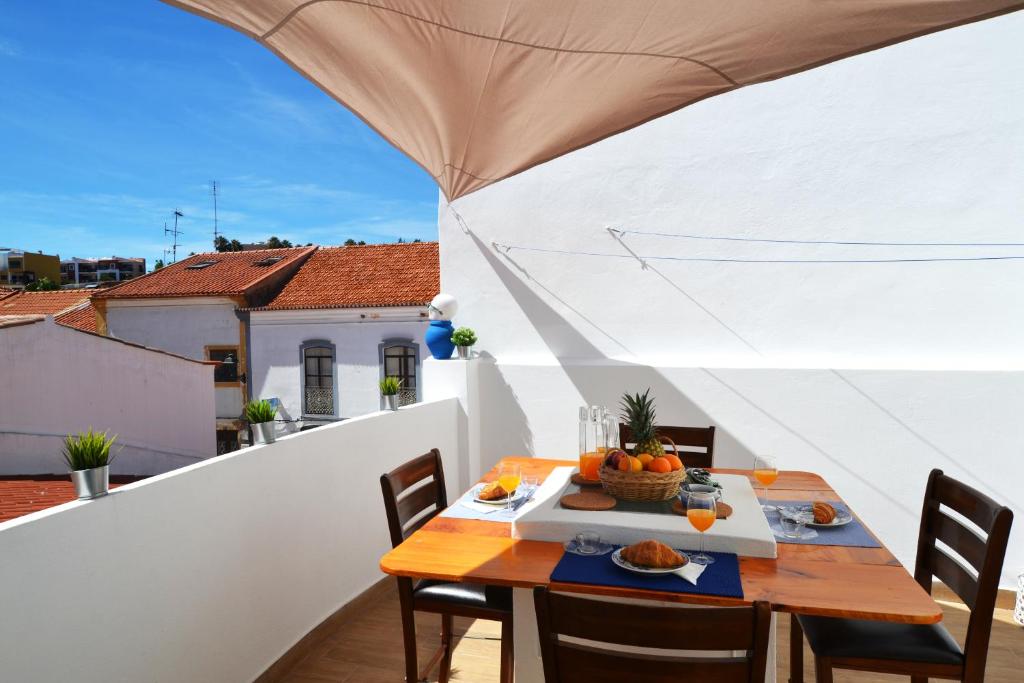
{"x": 695, "y": 437}
{"x": 923, "y": 652}
{"x": 609, "y": 624}
{"x": 407, "y": 514}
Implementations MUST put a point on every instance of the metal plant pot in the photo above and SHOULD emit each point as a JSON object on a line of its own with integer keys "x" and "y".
{"x": 391, "y": 401}
{"x": 464, "y": 351}
{"x": 91, "y": 483}
{"x": 265, "y": 432}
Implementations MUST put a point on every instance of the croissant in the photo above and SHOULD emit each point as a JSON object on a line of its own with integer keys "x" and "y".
{"x": 492, "y": 491}
{"x": 653, "y": 554}
{"x": 823, "y": 512}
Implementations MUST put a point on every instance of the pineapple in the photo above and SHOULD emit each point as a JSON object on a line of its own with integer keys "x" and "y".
{"x": 638, "y": 412}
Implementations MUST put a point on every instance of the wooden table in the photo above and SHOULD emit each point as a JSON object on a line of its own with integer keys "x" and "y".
{"x": 864, "y": 583}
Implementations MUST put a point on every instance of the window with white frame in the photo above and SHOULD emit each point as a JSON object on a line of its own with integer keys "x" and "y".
{"x": 318, "y": 380}
{"x": 401, "y": 359}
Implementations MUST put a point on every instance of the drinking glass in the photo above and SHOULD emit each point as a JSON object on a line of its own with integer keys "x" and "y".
{"x": 509, "y": 476}
{"x": 793, "y": 522}
{"x": 702, "y": 512}
{"x": 766, "y": 472}
{"x": 587, "y": 542}
{"x": 531, "y": 483}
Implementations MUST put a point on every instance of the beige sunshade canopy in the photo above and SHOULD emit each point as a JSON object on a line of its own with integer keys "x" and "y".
{"x": 478, "y": 90}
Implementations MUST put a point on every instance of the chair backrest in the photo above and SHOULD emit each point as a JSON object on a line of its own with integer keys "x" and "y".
{"x": 972, "y": 569}
{"x": 608, "y": 625}
{"x": 403, "y": 509}
{"x": 688, "y": 437}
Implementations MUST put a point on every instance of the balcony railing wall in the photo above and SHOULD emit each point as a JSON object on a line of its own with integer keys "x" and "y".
{"x": 211, "y": 572}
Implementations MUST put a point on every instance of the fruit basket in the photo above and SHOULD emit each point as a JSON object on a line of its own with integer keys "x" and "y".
{"x": 642, "y": 486}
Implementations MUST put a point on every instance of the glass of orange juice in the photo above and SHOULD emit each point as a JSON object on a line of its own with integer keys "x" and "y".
{"x": 766, "y": 472}
{"x": 509, "y": 476}
{"x": 702, "y": 512}
{"x": 590, "y": 465}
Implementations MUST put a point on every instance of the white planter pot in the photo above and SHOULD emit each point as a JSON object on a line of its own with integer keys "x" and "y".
{"x": 91, "y": 483}
{"x": 391, "y": 402}
{"x": 264, "y": 432}
{"x": 1018, "y": 610}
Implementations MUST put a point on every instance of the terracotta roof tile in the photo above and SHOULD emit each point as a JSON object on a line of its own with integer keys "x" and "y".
{"x": 23, "y": 495}
{"x": 363, "y": 276}
{"x": 81, "y": 318}
{"x": 43, "y": 303}
{"x": 229, "y": 273}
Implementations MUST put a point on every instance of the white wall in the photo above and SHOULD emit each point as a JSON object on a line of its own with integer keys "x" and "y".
{"x": 210, "y": 573}
{"x": 919, "y": 142}
{"x": 184, "y": 326}
{"x": 59, "y": 380}
{"x": 277, "y": 371}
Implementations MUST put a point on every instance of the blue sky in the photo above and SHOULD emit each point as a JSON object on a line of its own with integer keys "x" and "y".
{"x": 114, "y": 113}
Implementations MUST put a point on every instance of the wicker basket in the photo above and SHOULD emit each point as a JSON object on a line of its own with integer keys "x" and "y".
{"x": 642, "y": 486}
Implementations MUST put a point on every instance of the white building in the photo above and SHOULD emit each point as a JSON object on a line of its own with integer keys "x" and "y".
{"x": 348, "y": 317}
{"x": 59, "y": 380}
{"x": 192, "y": 308}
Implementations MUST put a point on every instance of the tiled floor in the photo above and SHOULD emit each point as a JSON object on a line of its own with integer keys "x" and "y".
{"x": 368, "y": 649}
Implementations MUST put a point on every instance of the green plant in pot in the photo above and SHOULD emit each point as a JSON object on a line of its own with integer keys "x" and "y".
{"x": 88, "y": 456}
{"x": 389, "y": 388}
{"x": 464, "y": 338}
{"x": 260, "y": 415}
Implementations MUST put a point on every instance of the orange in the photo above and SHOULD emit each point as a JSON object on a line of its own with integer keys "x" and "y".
{"x": 676, "y": 463}
{"x": 660, "y": 465}
{"x": 638, "y": 465}
{"x": 645, "y": 459}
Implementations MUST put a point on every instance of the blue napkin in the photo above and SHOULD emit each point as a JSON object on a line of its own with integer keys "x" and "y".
{"x": 720, "y": 579}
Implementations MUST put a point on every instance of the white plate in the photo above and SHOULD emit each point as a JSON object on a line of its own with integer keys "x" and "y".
{"x": 518, "y": 493}
{"x": 842, "y": 518}
{"x": 629, "y": 566}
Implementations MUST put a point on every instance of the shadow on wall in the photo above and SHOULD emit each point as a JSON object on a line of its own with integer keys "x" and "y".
{"x": 504, "y": 427}
{"x": 598, "y": 379}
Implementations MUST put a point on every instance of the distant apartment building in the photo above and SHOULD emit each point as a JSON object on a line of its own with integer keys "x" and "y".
{"x": 19, "y": 268}
{"x": 193, "y": 308}
{"x": 84, "y": 271}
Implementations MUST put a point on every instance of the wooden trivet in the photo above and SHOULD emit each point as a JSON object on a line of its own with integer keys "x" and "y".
{"x": 578, "y": 479}
{"x": 588, "y": 500}
{"x": 724, "y": 509}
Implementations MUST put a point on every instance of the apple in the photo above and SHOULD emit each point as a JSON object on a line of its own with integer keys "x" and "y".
{"x": 614, "y": 456}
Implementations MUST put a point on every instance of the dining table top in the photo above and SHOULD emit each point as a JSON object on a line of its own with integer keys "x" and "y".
{"x": 837, "y": 581}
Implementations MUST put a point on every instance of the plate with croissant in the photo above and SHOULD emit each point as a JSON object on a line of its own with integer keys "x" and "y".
{"x": 649, "y": 557}
{"x": 826, "y": 515}
{"x": 493, "y": 494}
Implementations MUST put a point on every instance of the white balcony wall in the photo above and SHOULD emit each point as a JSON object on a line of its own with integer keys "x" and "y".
{"x": 58, "y": 380}
{"x": 209, "y": 573}
{"x": 869, "y": 373}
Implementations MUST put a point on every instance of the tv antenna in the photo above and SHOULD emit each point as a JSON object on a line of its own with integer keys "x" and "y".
{"x": 214, "y": 193}
{"x": 175, "y": 232}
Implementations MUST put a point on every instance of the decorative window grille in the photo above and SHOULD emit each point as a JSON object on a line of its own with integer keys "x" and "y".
{"x": 400, "y": 362}
{"x": 319, "y": 385}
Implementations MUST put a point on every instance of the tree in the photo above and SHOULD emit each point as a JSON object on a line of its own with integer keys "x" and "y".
{"x": 220, "y": 243}
{"x": 43, "y": 284}
{"x": 158, "y": 264}
{"x": 350, "y": 242}
{"x": 235, "y": 245}
{"x": 274, "y": 243}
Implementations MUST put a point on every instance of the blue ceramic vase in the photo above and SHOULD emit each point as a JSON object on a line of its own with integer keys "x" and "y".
{"x": 439, "y": 339}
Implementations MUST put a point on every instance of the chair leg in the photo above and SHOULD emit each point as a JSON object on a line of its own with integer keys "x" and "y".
{"x": 446, "y": 648}
{"x": 822, "y": 670}
{"x": 796, "y": 650}
{"x": 918, "y": 679}
{"x": 507, "y": 652}
{"x": 408, "y": 632}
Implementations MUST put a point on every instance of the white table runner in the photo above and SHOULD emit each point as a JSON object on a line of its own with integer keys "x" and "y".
{"x": 745, "y": 533}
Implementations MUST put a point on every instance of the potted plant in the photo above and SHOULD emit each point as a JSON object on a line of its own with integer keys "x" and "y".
{"x": 260, "y": 415}
{"x": 464, "y": 338}
{"x": 389, "y": 387}
{"x": 88, "y": 457}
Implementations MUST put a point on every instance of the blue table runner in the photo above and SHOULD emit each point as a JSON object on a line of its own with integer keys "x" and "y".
{"x": 721, "y": 579}
{"x": 853, "y": 535}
